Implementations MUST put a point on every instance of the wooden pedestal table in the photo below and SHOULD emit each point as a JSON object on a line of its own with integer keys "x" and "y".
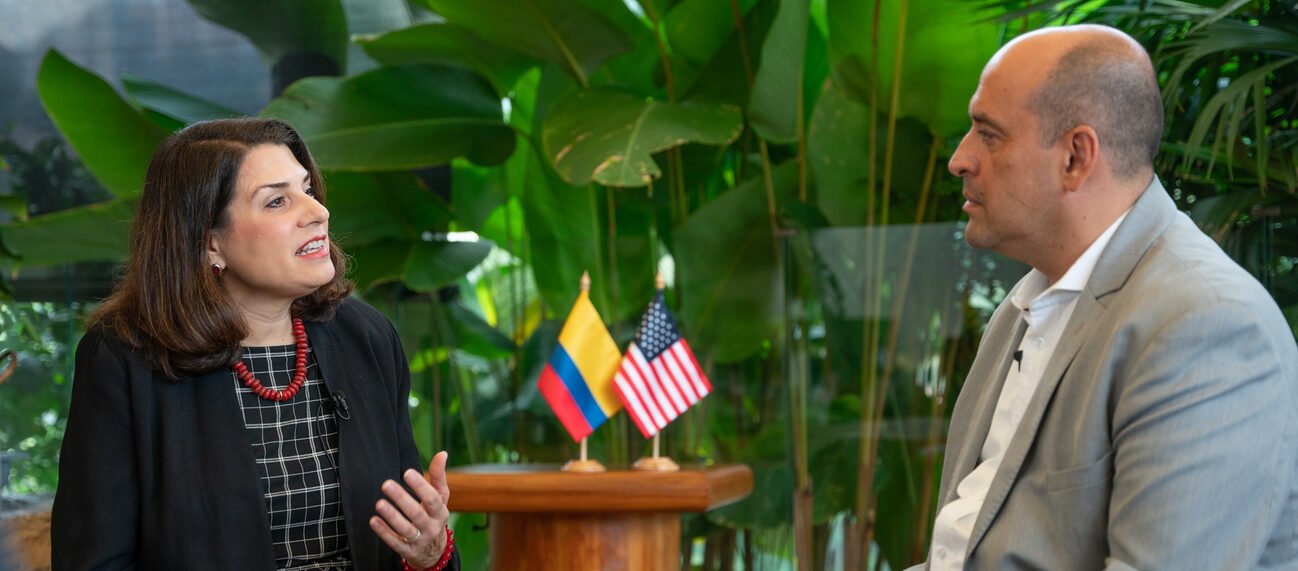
{"x": 625, "y": 520}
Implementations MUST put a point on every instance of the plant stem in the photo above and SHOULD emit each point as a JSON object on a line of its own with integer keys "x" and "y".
{"x": 568, "y": 58}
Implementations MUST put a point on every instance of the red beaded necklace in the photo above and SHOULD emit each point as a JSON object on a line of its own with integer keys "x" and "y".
{"x": 299, "y": 375}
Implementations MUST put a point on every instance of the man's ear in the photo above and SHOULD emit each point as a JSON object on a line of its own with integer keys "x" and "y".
{"x": 1083, "y": 146}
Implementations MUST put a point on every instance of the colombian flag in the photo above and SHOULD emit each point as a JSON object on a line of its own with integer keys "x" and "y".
{"x": 578, "y": 380}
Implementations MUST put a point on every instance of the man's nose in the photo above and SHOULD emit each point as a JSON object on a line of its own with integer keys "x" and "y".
{"x": 961, "y": 164}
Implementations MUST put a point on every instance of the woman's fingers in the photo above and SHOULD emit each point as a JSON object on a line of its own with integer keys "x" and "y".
{"x": 432, "y": 500}
{"x": 412, "y": 509}
{"x": 394, "y": 540}
{"x": 414, "y": 525}
{"x": 437, "y": 476}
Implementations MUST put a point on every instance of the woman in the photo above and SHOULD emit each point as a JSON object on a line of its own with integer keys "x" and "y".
{"x": 232, "y": 407}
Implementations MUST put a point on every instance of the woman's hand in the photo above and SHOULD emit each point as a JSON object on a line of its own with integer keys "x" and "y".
{"x": 415, "y": 528}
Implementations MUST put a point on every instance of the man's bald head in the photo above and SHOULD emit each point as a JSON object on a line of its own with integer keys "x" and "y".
{"x": 1100, "y": 77}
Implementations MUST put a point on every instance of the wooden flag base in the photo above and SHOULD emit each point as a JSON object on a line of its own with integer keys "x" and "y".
{"x": 583, "y": 466}
{"x": 658, "y": 464}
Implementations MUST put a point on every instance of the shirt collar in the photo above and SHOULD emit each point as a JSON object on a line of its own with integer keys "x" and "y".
{"x": 1036, "y": 286}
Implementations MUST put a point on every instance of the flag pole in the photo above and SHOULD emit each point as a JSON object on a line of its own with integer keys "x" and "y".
{"x": 584, "y": 464}
{"x": 657, "y": 463}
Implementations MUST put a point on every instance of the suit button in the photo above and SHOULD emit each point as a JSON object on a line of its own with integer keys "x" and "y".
{"x": 941, "y": 553}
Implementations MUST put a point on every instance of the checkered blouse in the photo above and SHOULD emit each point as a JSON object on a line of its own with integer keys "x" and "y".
{"x": 295, "y": 443}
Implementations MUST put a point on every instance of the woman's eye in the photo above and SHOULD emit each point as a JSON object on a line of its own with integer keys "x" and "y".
{"x": 313, "y": 193}
{"x": 276, "y": 202}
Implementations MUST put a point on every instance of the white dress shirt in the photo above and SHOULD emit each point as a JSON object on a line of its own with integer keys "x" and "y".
{"x": 1046, "y": 308}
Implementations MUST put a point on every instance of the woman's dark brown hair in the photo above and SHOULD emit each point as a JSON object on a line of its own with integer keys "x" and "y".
{"x": 168, "y": 303}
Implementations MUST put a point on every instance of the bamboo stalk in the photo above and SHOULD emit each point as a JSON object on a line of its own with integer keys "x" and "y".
{"x": 859, "y": 530}
{"x": 513, "y": 286}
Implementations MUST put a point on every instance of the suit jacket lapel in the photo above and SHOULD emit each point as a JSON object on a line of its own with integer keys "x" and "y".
{"x": 972, "y": 416}
{"x": 1085, "y": 314}
{"x": 1148, "y": 218}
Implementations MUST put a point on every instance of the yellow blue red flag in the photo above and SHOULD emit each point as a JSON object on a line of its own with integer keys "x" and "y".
{"x": 578, "y": 380}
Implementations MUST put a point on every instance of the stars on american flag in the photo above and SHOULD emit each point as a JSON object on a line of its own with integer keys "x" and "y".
{"x": 659, "y": 377}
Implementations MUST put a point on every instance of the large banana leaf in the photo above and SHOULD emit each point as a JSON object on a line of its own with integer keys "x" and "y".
{"x": 173, "y": 103}
{"x": 570, "y": 33}
{"x": 280, "y": 28}
{"x": 450, "y": 44}
{"x": 477, "y": 193}
{"x": 394, "y": 229}
{"x": 372, "y": 207}
{"x": 728, "y": 76}
{"x": 421, "y": 265}
{"x": 777, "y": 92}
{"x": 837, "y": 145}
{"x": 563, "y": 228}
{"x": 562, "y": 221}
{"x": 95, "y": 233}
{"x": 943, "y": 50}
{"x": 397, "y": 118}
{"x": 731, "y": 303}
{"x": 609, "y": 137}
{"x": 113, "y": 139}
{"x": 696, "y": 29}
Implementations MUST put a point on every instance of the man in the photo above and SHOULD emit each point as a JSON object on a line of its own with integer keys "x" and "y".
{"x": 1134, "y": 402}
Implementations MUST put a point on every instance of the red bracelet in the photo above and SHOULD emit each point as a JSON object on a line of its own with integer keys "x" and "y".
{"x": 443, "y": 561}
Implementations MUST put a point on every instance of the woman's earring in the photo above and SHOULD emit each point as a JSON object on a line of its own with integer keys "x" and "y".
{"x": 216, "y": 270}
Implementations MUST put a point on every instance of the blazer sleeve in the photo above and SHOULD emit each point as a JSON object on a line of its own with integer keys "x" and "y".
{"x": 95, "y": 518}
{"x": 409, "y": 453}
{"x": 1202, "y": 442}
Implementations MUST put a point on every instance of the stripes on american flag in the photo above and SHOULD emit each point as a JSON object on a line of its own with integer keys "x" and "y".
{"x": 659, "y": 377}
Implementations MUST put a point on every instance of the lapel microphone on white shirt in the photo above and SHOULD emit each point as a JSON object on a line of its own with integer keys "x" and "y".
{"x": 1018, "y": 359}
{"x": 340, "y": 405}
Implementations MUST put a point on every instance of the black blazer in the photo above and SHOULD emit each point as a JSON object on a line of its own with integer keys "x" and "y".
{"x": 159, "y": 474}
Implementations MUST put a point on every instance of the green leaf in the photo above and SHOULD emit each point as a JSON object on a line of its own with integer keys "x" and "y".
{"x": 504, "y": 226}
{"x": 397, "y": 118}
{"x": 15, "y": 205}
{"x": 280, "y": 28}
{"x": 567, "y": 32}
{"x": 448, "y": 44}
{"x": 609, "y": 136}
{"x": 95, "y": 233}
{"x": 476, "y": 336}
{"x": 476, "y": 192}
{"x": 776, "y": 101}
{"x": 432, "y": 265}
{"x": 837, "y": 146}
{"x": 944, "y": 45}
{"x": 728, "y": 76}
{"x": 421, "y": 265}
{"x": 114, "y": 140}
{"x": 372, "y": 207}
{"x": 563, "y": 231}
{"x": 1228, "y": 100}
{"x": 172, "y": 102}
{"x": 729, "y": 273}
{"x": 696, "y": 29}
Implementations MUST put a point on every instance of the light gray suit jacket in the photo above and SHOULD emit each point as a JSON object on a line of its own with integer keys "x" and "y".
{"x": 1164, "y": 432}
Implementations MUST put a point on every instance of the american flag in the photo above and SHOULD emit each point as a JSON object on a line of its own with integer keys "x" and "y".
{"x": 659, "y": 377}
